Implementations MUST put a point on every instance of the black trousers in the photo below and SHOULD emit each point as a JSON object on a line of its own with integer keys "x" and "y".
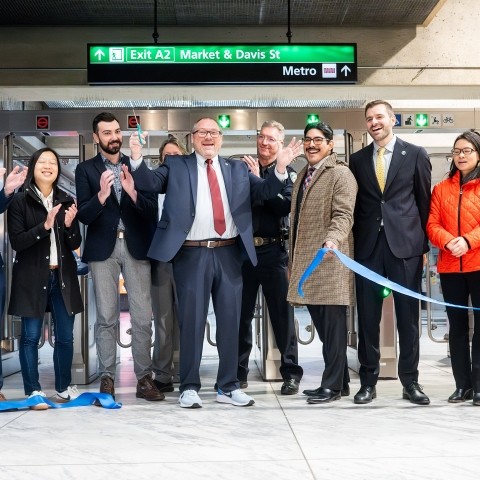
{"x": 271, "y": 274}
{"x": 331, "y": 325}
{"x": 457, "y": 287}
{"x": 200, "y": 272}
{"x": 408, "y": 273}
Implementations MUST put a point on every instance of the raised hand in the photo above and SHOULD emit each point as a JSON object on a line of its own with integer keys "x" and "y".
{"x": 70, "y": 214}
{"x": 106, "y": 181}
{"x": 252, "y": 164}
{"x": 128, "y": 184}
{"x": 136, "y": 145}
{"x": 15, "y": 179}
{"x": 49, "y": 222}
{"x": 288, "y": 154}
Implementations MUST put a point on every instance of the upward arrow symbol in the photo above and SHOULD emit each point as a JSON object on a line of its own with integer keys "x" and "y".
{"x": 99, "y": 54}
{"x": 346, "y": 70}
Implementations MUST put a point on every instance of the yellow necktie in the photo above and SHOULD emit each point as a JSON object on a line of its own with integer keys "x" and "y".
{"x": 380, "y": 168}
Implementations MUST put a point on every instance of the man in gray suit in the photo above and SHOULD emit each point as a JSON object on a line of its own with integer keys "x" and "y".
{"x": 204, "y": 230}
{"x": 391, "y": 214}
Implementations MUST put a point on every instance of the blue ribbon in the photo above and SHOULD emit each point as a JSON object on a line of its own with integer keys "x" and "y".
{"x": 369, "y": 275}
{"x": 83, "y": 400}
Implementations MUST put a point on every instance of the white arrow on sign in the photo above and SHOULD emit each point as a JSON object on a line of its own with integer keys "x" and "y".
{"x": 99, "y": 54}
{"x": 346, "y": 70}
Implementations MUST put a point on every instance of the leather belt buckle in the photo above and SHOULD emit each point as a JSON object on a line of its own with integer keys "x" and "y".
{"x": 258, "y": 241}
{"x": 211, "y": 243}
{"x": 120, "y": 234}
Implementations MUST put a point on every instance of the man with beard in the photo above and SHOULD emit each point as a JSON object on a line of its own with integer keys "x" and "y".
{"x": 271, "y": 272}
{"x": 121, "y": 222}
{"x": 390, "y": 238}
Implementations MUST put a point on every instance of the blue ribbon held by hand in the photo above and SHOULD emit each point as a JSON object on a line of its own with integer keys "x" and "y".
{"x": 369, "y": 275}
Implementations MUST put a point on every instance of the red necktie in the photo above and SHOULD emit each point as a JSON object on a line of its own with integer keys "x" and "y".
{"x": 217, "y": 204}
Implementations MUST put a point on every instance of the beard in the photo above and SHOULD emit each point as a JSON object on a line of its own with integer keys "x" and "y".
{"x": 111, "y": 148}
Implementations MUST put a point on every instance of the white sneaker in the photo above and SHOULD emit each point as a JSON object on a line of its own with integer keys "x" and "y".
{"x": 71, "y": 393}
{"x": 237, "y": 398}
{"x": 190, "y": 399}
{"x": 40, "y": 406}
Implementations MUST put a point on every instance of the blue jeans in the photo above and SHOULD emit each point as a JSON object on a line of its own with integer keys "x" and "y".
{"x": 63, "y": 349}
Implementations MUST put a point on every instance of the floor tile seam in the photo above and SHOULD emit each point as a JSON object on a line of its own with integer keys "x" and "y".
{"x": 290, "y": 426}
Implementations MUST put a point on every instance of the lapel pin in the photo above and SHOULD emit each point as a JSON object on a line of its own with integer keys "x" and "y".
{"x": 404, "y": 152}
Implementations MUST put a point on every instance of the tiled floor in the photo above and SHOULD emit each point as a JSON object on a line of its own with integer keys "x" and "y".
{"x": 279, "y": 438}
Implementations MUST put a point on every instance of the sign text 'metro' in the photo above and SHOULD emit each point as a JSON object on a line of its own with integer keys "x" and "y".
{"x": 222, "y": 64}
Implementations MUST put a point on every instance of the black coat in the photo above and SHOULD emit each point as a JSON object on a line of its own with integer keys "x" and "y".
{"x": 25, "y": 219}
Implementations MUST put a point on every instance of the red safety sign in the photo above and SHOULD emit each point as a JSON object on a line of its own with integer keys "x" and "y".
{"x": 133, "y": 120}
{"x": 42, "y": 122}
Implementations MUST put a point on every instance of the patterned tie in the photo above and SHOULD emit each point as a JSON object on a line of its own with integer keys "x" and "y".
{"x": 308, "y": 177}
{"x": 380, "y": 168}
{"x": 217, "y": 204}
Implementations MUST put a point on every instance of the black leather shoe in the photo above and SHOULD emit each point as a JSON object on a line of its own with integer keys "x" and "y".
{"x": 414, "y": 393}
{"x": 460, "y": 395}
{"x": 476, "y": 399}
{"x": 290, "y": 387}
{"x": 164, "y": 387}
{"x": 325, "y": 395}
{"x": 365, "y": 395}
{"x": 345, "y": 392}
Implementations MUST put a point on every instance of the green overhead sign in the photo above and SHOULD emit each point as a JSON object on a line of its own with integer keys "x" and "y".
{"x": 224, "y": 64}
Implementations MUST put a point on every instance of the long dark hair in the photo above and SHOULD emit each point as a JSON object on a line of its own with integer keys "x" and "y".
{"x": 30, "y": 180}
{"x": 473, "y": 137}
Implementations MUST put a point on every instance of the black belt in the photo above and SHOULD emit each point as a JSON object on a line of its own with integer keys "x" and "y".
{"x": 260, "y": 241}
{"x": 210, "y": 243}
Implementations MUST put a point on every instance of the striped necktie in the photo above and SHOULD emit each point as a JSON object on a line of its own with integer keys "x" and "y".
{"x": 308, "y": 177}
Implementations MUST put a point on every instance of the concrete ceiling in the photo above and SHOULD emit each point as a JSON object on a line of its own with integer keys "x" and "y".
{"x": 217, "y": 12}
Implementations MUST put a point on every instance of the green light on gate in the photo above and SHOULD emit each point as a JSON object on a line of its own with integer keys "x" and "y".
{"x": 312, "y": 118}
{"x": 224, "y": 121}
{"x": 421, "y": 120}
{"x": 386, "y": 292}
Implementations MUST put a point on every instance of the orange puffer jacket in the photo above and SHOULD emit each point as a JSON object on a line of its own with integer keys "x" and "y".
{"x": 455, "y": 212}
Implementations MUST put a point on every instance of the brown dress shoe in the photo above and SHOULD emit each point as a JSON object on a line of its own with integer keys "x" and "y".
{"x": 146, "y": 389}
{"x": 107, "y": 386}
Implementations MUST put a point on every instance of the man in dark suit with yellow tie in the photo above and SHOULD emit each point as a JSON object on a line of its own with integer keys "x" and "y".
{"x": 205, "y": 230}
{"x": 391, "y": 213}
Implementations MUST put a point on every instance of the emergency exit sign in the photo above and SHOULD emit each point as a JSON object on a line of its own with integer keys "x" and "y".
{"x": 222, "y": 64}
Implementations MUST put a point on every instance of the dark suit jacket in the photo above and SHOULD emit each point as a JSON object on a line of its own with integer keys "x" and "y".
{"x": 139, "y": 219}
{"x": 178, "y": 177}
{"x": 403, "y": 205}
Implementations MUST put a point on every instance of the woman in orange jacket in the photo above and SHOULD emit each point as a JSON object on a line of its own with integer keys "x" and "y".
{"x": 454, "y": 227}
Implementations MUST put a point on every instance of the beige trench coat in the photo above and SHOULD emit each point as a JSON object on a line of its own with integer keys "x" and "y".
{"x": 326, "y": 213}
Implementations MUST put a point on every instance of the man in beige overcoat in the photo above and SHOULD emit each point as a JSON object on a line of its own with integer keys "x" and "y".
{"x": 323, "y": 202}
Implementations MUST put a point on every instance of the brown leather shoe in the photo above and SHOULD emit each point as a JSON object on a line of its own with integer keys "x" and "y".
{"x": 2, "y": 397}
{"x": 107, "y": 386}
{"x": 146, "y": 389}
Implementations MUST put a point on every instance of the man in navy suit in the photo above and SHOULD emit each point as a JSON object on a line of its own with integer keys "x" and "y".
{"x": 120, "y": 222}
{"x": 391, "y": 213}
{"x": 14, "y": 180}
{"x": 207, "y": 261}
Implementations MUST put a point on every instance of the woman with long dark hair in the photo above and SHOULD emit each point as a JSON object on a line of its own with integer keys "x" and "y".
{"x": 44, "y": 231}
{"x": 454, "y": 227}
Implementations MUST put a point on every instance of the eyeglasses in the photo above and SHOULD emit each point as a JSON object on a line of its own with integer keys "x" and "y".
{"x": 204, "y": 133}
{"x": 317, "y": 141}
{"x": 269, "y": 140}
{"x": 465, "y": 151}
